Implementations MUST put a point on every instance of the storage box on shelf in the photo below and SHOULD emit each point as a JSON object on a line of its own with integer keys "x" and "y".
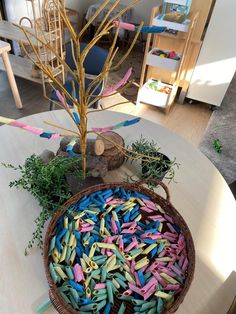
{"x": 162, "y": 62}
{"x": 157, "y": 93}
{"x": 154, "y": 60}
{"x": 181, "y": 27}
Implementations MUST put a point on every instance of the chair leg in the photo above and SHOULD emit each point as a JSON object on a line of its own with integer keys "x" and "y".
{"x": 51, "y": 106}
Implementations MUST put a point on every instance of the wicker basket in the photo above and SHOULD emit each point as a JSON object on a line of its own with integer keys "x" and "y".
{"x": 61, "y": 306}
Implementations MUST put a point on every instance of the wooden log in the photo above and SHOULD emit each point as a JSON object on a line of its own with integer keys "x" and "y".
{"x": 112, "y": 154}
{"x": 94, "y": 146}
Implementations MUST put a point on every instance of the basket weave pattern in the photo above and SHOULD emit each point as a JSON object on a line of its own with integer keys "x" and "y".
{"x": 56, "y": 299}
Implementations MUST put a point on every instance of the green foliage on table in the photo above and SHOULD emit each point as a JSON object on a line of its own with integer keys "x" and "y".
{"x": 48, "y": 184}
{"x": 216, "y": 144}
{"x": 159, "y": 167}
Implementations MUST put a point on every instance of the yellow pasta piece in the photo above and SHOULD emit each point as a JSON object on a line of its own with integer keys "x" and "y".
{"x": 140, "y": 202}
{"x": 93, "y": 265}
{"x": 66, "y": 222}
{"x": 115, "y": 283}
{"x": 87, "y": 281}
{"x": 92, "y": 250}
{"x": 102, "y": 226}
{"x": 106, "y": 232}
{"x": 149, "y": 248}
{"x": 164, "y": 259}
{"x": 109, "y": 246}
{"x": 88, "y": 293}
{"x": 163, "y": 295}
{"x": 71, "y": 240}
{"x": 86, "y": 259}
{"x": 168, "y": 278}
{"x": 138, "y": 218}
{"x": 91, "y": 222}
{"x": 83, "y": 264}
{"x": 63, "y": 254}
{"x": 77, "y": 224}
{"x": 72, "y": 257}
{"x": 111, "y": 262}
{"x": 114, "y": 214}
{"x": 140, "y": 264}
{"x": 130, "y": 278}
{"x": 61, "y": 273}
{"x": 74, "y": 244}
{"x": 113, "y": 268}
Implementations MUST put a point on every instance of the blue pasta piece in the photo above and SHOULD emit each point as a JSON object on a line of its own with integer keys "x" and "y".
{"x": 77, "y": 287}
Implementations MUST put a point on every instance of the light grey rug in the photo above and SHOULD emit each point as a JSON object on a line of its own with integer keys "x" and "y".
{"x": 222, "y": 126}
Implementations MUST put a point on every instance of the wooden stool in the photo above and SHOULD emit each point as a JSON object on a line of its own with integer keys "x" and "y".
{"x": 4, "y": 49}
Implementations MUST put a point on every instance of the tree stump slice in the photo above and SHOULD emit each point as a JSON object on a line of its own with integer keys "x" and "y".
{"x": 115, "y": 158}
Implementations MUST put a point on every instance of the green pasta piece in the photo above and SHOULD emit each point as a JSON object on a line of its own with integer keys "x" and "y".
{"x": 100, "y": 291}
{"x": 92, "y": 284}
{"x": 99, "y": 257}
{"x": 68, "y": 254}
{"x": 66, "y": 237}
{"x": 88, "y": 307}
{"x": 124, "y": 298}
{"x": 152, "y": 311}
{"x": 74, "y": 293}
{"x": 122, "y": 308}
{"x": 69, "y": 272}
{"x": 52, "y": 245}
{"x": 65, "y": 298}
{"x": 101, "y": 305}
{"x": 95, "y": 272}
{"x": 135, "y": 251}
{"x": 70, "y": 227}
{"x": 147, "y": 276}
{"x": 100, "y": 297}
{"x": 53, "y": 273}
{"x": 86, "y": 236}
{"x": 138, "y": 302}
{"x": 118, "y": 275}
{"x": 148, "y": 305}
{"x": 119, "y": 255}
{"x": 160, "y": 306}
{"x": 109, "y": 287}
{"x": 73, "y": 303}
{"x": 104, "y": 273}
{"x": 122, "y": 283}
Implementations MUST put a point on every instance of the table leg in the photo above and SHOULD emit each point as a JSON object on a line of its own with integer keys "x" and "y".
{"x": 12, "y": 80}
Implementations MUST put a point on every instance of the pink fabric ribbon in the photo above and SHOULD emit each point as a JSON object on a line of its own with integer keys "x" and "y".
{"x": 121, "y": 83}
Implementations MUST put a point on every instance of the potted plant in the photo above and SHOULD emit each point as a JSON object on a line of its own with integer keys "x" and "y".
{"x": 157, "y": 165}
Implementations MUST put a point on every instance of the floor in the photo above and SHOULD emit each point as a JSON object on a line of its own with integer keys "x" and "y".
{"x": 189, "y": 121}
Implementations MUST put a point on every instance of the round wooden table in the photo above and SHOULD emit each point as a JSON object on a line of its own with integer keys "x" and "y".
{"x": 201, "y": 195}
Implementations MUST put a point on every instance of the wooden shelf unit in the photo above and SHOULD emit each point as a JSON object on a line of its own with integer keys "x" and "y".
{"x": 167, "y": 41}
{"x": 168, "y": 65}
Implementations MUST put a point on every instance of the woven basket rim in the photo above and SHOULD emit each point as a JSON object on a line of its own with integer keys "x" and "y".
{"x": 56, "y": 299}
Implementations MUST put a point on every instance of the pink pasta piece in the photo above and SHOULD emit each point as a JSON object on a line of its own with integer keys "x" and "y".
{"x": 78, "y": 273}
{"x": 150, "y": 292}
{"x": 99, "y": 286}
{"x": 134, "y": 288}
{"x": 151, "y": 282}
{"x": 127, "y": 26}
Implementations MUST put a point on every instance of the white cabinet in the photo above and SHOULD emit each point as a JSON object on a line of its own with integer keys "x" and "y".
{"x": 216, "y": 64}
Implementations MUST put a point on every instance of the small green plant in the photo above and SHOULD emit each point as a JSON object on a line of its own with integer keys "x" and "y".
{"x": 216, "y": 144}
{"x": 157, "y": 165}
{"x": 48, "y": 184}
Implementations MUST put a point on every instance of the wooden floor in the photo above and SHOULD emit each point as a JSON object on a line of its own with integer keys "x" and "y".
{"x": 187, "y": 120}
